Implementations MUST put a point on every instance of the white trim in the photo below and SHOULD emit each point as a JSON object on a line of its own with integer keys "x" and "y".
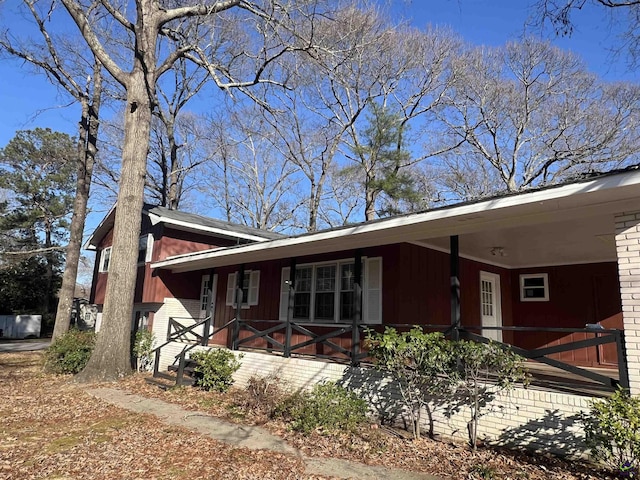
{"x": 150, "y": 242}
{"x": 367, "y": 290}
{"x": 253, "y": 291}
{"x": 103, "y": 252}
{"x": 214, "y": 289}
{"x": 545, "y": 286}
{"x": 155, "y": 219}
{"x": 493, "y": 278}
{"x": 525, "y": 208}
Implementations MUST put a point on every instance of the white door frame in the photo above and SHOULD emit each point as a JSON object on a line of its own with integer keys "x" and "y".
{"x": 214, "y": 289}
{"x": 494, "y": 307}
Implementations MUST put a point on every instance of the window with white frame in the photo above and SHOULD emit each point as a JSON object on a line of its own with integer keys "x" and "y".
{"x": 534, "y": 287}
{"x": 325, "y": 292}
{"x": 145, "y": 248}
{"x": 250, "y": 288}
{"x": 105, "y": 258}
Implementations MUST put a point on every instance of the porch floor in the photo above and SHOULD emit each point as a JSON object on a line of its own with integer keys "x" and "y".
{"x": 546, "y": 377}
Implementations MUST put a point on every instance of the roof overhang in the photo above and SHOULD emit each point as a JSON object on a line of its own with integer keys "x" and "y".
{"x": 195, "y": 228}
{"x": 101, "y": 230}
{"x": 571, "y": 204}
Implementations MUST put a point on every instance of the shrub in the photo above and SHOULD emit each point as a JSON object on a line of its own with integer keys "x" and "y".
{"x": 418, "y": 361}
{"x": 142, "y": 349}
{"x": 328, "y": 407}
{"x": 215, "y": 369}
{"x": 263, "y": 394}
{"x": 612, "y": 430}
{"x": 70, "y": 352}
{"x": 483, "y": 371}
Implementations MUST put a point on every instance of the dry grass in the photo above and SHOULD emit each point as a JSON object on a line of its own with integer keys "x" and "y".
{"x": 378, "y": 446}
{"x": 51, "y": 429}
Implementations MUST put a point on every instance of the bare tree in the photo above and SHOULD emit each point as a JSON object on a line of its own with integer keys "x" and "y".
{"x": 623, "y": 14}
{"x": 534, "y": 114}
{"x": 264, "y": 31}
{"x": 64, "y": 65}
{"x": 260, "y": 187}
{"x": 171, "y": 159}
{"x": 396, "y": 68}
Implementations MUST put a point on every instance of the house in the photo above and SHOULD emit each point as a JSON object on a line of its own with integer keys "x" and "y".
{"x": 555, "y": 272}
{"x": 164, "y": 233}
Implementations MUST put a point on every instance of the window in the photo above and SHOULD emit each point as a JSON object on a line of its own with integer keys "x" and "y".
{"x": 325, "y": 292}
{"x": 534, "y": 287}
{"x": 105, "y": 258}
{"x": 250, "y": 288}
{"x": 145, "y": 248}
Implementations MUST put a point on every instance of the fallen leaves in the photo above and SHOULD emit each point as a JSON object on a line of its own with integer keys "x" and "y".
{"x": 51, "y": 429}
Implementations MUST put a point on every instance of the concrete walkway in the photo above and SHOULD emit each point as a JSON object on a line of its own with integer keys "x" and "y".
{"x": 255, "y": 438}
{"x": 24, "y": 346}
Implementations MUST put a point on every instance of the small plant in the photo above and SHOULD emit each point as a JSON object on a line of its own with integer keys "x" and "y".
{"x": 142, "y": 349}
{"x": 328, "y": 407}
{"x": 485, "y": 472}
{"x": 263, "y": 394}
{"x": 612, "y": 430}
{"x": 215, "y": 369}
{"x": 70, "y": 352}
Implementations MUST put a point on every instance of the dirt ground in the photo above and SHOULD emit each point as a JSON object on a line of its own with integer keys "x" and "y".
{"x": 51, "y": 429}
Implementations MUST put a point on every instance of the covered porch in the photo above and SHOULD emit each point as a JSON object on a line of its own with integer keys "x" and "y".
{"x": 554, "y": 273}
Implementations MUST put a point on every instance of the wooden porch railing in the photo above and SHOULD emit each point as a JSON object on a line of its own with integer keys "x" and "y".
{"x": 278, "y": 336}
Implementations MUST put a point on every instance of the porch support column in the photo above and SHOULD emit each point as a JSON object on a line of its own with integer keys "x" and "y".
{"x": 290, "y": 307}
{"x": 628, "y": 251}
{"x": 206, "y": 329}
{"x": 454, "y": 258}
{"x": 239, "y": 299}
{"x": 357, "y": 313}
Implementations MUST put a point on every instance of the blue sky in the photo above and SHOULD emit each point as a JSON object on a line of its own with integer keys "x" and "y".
{"x": 28, "y": 100}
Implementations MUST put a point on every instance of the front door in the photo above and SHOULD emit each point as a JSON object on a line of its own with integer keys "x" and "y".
{"x": 490, "y": 311}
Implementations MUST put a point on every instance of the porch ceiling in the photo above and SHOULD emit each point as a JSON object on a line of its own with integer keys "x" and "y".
{"x": 579, "y": 240}
{"x": 568, "y": 224}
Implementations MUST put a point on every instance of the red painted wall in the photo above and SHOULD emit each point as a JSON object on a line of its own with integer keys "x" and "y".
{"x": 578, "y": 294}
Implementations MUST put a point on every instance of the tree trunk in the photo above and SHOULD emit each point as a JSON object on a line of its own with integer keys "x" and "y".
{"x": 111, "y": 357}
{"x": 87, "y": 149}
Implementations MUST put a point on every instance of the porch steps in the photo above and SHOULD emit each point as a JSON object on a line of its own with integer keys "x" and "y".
{"x": 166, "y": 380}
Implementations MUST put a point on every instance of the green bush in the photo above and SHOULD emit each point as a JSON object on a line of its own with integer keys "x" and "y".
{"x": 328, "y": 407}
{"x": 70, "y": 352}
{"x": 612, "y": 430}
{"x": 215, "y": 369}
{"x": 142, "y": 349}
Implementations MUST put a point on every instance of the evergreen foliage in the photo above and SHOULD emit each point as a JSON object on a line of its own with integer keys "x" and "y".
{"x": 215, "y": 369}
{"x": 70, "y": 353}
{"x": 37, "y": 176}
{"x": 612, "y": 430}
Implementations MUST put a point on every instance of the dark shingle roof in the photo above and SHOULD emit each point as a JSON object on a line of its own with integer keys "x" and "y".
{"x": 199, "y": 220}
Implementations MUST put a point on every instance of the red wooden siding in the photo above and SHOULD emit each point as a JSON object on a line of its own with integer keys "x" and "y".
{"x": 578, "y": 294}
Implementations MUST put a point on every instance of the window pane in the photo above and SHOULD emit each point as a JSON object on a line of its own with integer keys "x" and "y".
{"x": 534, "y": 282}
{"x": 302, "y": 305}
{"x": 347, "y": 274}
{"x": 534, "y": 292}
{"x": 324, "y": 309}
{"x": 347, "y": 305}
{"x": 245, "y": 287}
{"x": 303, "y": 279}
{"x": 326, "y": 278}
